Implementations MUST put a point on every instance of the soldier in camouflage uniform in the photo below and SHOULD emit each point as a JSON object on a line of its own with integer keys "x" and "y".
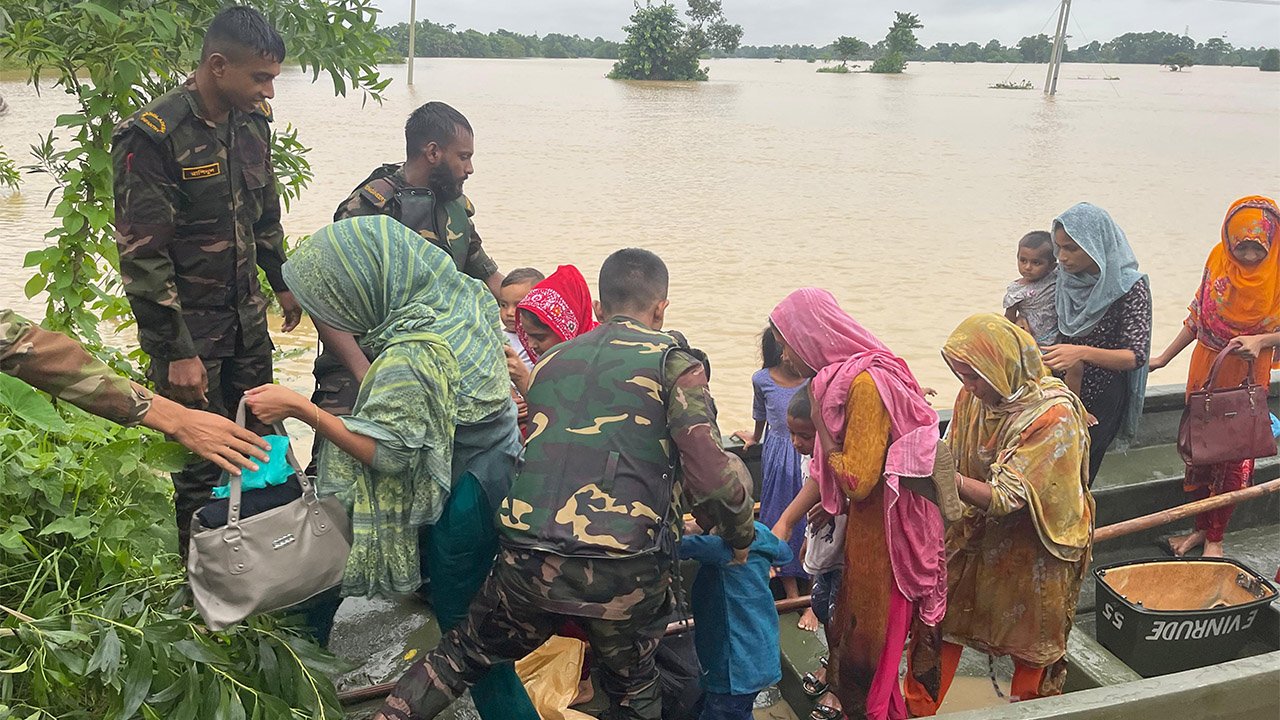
{"x": 425, "y": 194}
{"x": 58, "y": 365}
{"x": 197, "y": 212}
{"x": 622, "y": 429}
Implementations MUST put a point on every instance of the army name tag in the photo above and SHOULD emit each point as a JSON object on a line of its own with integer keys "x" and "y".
{"x": 201, "y": 172}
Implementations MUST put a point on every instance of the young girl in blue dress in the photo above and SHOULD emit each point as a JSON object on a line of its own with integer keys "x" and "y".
{"x": 774, "y": 384}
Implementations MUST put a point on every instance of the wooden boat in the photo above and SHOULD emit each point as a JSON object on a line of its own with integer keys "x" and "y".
{"x": 1238, "y": 683}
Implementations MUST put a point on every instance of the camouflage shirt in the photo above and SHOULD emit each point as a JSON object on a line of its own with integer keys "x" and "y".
{"x": 712, "y": 482}
{"x": 383, "y": 193}
{"x": 197, "y": 212}
{"x": 58, "y": 365}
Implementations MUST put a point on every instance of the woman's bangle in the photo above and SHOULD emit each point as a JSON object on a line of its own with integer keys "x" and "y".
{"x": 317, "y": 424}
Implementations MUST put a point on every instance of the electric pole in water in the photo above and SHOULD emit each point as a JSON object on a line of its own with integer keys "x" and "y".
{"x": 413, "y": 11}
{"x": 1059, "y": 47}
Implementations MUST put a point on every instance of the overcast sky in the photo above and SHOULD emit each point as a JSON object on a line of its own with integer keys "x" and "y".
{"x": 768, "y": 22}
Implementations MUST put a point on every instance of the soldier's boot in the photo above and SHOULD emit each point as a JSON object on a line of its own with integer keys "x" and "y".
{"x": 495, "y": 633}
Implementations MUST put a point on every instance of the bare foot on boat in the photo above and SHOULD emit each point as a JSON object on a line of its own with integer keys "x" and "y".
{"x": 1180, "y": 545}
{"x": 808, "y": 621}
{"x": 1212, "y": 550}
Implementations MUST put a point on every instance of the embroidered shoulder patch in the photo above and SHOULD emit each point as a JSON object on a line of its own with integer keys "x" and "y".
{"x": 201, "y": 171}
{"x": 370, "y": 189}
{"x": 153, "y": 121}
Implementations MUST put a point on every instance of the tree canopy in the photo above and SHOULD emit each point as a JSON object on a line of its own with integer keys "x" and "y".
{"x": 662, "y": 46}
{"x": 898, "y": 44}
{"x": 846, "y": 48}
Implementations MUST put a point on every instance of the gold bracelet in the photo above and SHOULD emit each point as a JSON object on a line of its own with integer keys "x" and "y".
{"x": 317, "y": 425}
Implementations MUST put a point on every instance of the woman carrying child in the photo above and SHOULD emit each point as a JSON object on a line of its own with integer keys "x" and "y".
{"x": 1237, "y": 306}
{"x": 774, "y": 386}
{"x": 432, "y": 440}
{"x": 1016, "y": 558}
{"x": 1104, "y": 319}
{"x": 873, "y": 427}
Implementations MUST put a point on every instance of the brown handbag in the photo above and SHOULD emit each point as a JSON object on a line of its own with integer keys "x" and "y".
{"x": 1226, "y": 425}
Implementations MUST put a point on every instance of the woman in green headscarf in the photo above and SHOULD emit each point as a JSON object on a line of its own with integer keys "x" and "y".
{"x": 432, "y": 440}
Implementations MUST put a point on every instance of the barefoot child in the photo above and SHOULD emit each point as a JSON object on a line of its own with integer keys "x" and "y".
{"x": 737, "y": 625}
{"x": 774, "y": 385}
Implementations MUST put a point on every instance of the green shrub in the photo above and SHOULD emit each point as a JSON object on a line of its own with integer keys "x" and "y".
{"x": 95, "y": 619}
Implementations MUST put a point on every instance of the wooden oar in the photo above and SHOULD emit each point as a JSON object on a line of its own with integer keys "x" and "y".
{"x": 1164, "y": 517}
{"x": 373, "y": 692}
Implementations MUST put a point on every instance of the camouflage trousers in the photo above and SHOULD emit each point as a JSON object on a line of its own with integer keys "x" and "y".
{"x": 228, "y": 379}
{"x": 506, "y": 622}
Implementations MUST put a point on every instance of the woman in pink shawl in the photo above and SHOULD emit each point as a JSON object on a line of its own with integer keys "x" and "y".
{"x": 874, "y": 427}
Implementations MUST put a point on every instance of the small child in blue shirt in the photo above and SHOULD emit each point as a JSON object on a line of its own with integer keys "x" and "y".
{"x": 735, "y": 623}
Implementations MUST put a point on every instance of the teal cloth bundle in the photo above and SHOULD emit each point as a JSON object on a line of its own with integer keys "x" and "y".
{"x": 270, "y": 473}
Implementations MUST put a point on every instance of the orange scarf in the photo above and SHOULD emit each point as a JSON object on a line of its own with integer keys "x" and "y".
{"x": 1235, "y": 299}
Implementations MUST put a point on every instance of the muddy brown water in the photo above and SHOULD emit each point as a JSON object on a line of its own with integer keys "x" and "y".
{"x": 903, "y": 195}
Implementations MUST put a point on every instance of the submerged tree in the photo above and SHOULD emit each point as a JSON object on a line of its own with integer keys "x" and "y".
{"x": 1177, "y": 61}
{"x": 899, "y": 43}
{"x": 846, "y": 48}
{"x": 661, "y": 46}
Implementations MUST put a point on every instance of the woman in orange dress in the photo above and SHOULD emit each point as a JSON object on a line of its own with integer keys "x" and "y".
{"x": 874, "y": 427}
{"x": 1237, "y": 306}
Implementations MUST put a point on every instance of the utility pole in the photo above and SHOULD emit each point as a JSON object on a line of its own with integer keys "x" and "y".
{"x": 413, "y": 22}
{"x": 1059, "y": 46}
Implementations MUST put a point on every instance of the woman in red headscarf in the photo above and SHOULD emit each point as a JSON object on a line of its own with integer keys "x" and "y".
{"x": 555, "y": 310}
{"x": 1237, "y": 306}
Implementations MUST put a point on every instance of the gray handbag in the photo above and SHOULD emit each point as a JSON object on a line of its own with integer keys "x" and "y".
{"x": 273, "y": 560}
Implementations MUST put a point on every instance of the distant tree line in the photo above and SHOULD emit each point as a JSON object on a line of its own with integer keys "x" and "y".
{"x": 446, "y": 41}
{"x": 1150, "y": 48}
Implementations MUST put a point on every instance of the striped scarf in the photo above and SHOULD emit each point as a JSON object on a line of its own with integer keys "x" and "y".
{"x": 439, "y": 363}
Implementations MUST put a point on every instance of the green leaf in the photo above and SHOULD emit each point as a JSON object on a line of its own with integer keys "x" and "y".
{"x": 102, "y": 13}
{"x": 200, "y": 653}
{"x": 34, "y": 286}
{"x": 166, "y": 456}
{"x": 137, "y": 680}
{"x": 78, "y": 527}
{"x": 106, "y": 657}
{"x": 27, "y": 404}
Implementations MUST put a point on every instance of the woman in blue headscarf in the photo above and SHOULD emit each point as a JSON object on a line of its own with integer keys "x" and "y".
{"x": 1104, "y": 323}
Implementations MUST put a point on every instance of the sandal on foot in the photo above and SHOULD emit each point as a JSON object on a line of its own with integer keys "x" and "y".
{"x": 825, "y": 712}
{"x": 812, "y": 686}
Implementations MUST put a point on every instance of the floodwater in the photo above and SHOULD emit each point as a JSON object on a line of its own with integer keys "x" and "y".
{"x": 905, "y": 196}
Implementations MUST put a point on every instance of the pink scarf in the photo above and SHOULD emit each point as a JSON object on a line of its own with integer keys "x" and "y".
{"x": 831, "y": 342}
